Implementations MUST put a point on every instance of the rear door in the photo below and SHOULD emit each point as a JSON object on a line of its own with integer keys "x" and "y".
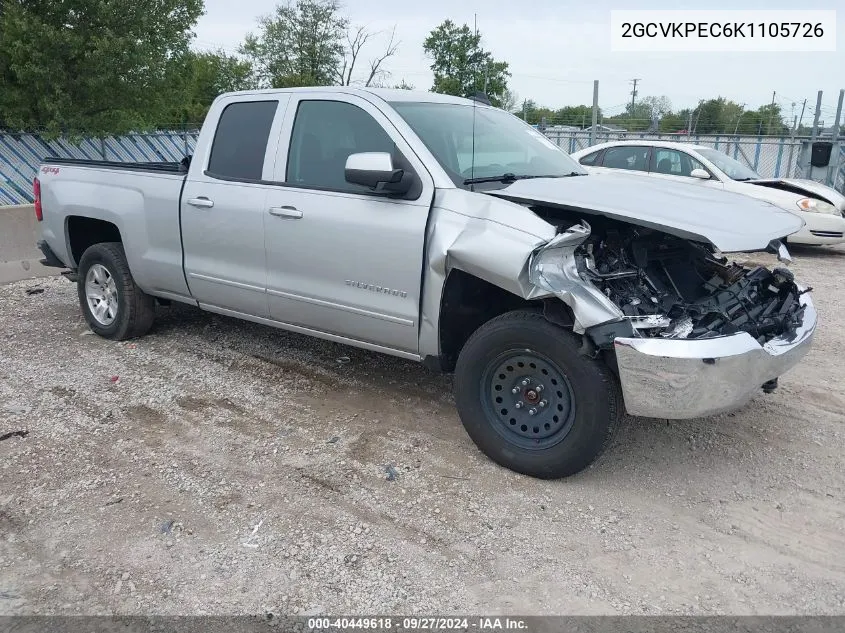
{"x": 633, "y": 158}
{"x": 340, "y": 258}
{"x": 224, "y": 202}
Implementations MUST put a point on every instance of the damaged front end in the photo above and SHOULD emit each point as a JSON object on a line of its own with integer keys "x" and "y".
{"x": 690, "y": 333}
{"x": 634, "y": 280}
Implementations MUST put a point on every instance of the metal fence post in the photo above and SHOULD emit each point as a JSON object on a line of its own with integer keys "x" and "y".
{"x": 780, "y": 156}
{"x": 757, "y": 152}
{"x": 595, "y": 111}
{"x": 841, "y": 188}
{"x": 830, "y": 180}
{"x": 185, "y": 135}
{"x": 789, "y": 170}
{"x": 814, "y": 133}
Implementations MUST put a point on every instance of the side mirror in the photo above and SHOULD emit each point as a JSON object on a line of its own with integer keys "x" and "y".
{"x": 700, "y": 173}
{"x": 375, "y": 170}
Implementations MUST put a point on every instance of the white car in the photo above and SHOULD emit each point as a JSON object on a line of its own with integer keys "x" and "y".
{"x": 819, "y": 206}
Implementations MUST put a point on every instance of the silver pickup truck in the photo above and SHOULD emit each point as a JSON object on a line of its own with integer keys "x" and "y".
{"x": 449, "y": 232}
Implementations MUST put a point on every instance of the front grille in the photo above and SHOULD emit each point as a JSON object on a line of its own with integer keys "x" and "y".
{"x": 826, "y": 233}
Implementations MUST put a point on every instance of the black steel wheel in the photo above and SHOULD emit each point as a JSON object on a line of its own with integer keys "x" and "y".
{"x": 530, "y": 400}
{"x": 529, "y": 397}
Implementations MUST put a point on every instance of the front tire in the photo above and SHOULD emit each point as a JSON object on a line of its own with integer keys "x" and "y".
{"x": 113, "y": 305}
{"x": 530, "y": 400}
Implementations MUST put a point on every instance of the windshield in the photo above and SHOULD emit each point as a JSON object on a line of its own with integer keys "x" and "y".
{"x": 733, "y": 168}
{"x": 503, "y": 145}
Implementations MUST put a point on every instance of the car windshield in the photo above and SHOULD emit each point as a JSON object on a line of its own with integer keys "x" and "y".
{"x": 733, "y": 168}
{"x": 475, "y": 144}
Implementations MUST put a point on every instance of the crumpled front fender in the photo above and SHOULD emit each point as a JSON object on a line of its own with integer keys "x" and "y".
{"x": 533, "y": 264}
{"x": 552, "y": 268}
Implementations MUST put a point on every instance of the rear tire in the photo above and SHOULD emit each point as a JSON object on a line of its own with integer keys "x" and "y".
{"x": 113, "y": 305}
{"x": 565, "y": 408}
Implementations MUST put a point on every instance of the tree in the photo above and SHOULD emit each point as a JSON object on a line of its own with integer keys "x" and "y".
{"x": 205, "y": 76}
{"x": 709, "y": 117}
{"x": 91, "y": 66}
{"x": 673, "y": 122}
{"x": 770, "y": 120}
{"x": 641, "y": 115}
{"x": 655, "y": 106}
{"x": 461, "y": 67}
{"x": 355, "y": 42}
{"x": 510, "y": 100}
{"x": 300, "y": 45}
{"x": 580, "y": 116}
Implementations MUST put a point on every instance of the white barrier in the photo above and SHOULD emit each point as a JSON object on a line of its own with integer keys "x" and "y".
{"x": 18, "y": 253}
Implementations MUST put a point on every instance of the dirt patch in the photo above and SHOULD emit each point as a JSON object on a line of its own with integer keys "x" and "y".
{"x": 217, "y": 466}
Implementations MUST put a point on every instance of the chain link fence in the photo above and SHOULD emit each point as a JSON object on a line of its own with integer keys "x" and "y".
{"x": 20, "y": 154}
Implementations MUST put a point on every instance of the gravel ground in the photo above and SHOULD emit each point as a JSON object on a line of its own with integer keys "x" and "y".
{"x": 217, "y": 466}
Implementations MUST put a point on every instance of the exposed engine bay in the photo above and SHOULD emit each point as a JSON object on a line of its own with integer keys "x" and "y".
{"x": 670, "y": 287}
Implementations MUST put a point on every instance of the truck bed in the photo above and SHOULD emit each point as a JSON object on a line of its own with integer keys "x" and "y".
{"x": 135, "y": 203}
{"x": 157, "y": 167}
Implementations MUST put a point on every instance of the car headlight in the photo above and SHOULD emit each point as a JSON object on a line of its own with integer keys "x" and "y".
{"x": 812, "y": 205}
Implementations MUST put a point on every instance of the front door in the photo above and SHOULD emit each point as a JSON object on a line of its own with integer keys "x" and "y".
{"x": 340, "y": 258}
{"x": 668, "y": 163}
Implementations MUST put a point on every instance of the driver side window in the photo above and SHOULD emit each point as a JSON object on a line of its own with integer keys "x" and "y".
{"x": 324, "y": 134}
{"x": 672, "y": 162}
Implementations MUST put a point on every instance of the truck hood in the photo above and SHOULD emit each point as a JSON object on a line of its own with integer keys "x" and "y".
{"x": 728, "y": 221}
{"x": 804, "y": 188}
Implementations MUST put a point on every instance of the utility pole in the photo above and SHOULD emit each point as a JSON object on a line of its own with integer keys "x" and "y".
{"x": 633, "y": 94}
{"x": 771, "y": 116}
{"x": 801, "y": 118}
{"x": 698, "y": 115}
{"x": 595, "y": 111}
{"x": 816, "y": 119}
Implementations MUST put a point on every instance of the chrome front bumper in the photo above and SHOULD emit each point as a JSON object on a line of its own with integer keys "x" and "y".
{"x": 680, "y": 379}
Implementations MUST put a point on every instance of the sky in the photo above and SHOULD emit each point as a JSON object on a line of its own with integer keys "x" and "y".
{"x": 556, "y": 48}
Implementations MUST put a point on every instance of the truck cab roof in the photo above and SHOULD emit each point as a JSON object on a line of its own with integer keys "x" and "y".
{"x": 386, "y": 94}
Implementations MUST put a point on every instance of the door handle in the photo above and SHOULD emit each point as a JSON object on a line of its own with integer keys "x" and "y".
{"x": 202, "y": 202}
{"x": 286, "y": 212}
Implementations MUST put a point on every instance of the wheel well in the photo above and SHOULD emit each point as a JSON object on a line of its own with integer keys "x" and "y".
{"x": 466, "y": 304}
{"x": 85, "y": 232}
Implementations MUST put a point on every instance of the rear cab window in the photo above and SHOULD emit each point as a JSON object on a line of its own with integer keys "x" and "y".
{"x": 240, "y": 141}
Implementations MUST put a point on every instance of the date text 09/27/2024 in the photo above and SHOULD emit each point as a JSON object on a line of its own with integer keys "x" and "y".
{"x": 417, "y": 624}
